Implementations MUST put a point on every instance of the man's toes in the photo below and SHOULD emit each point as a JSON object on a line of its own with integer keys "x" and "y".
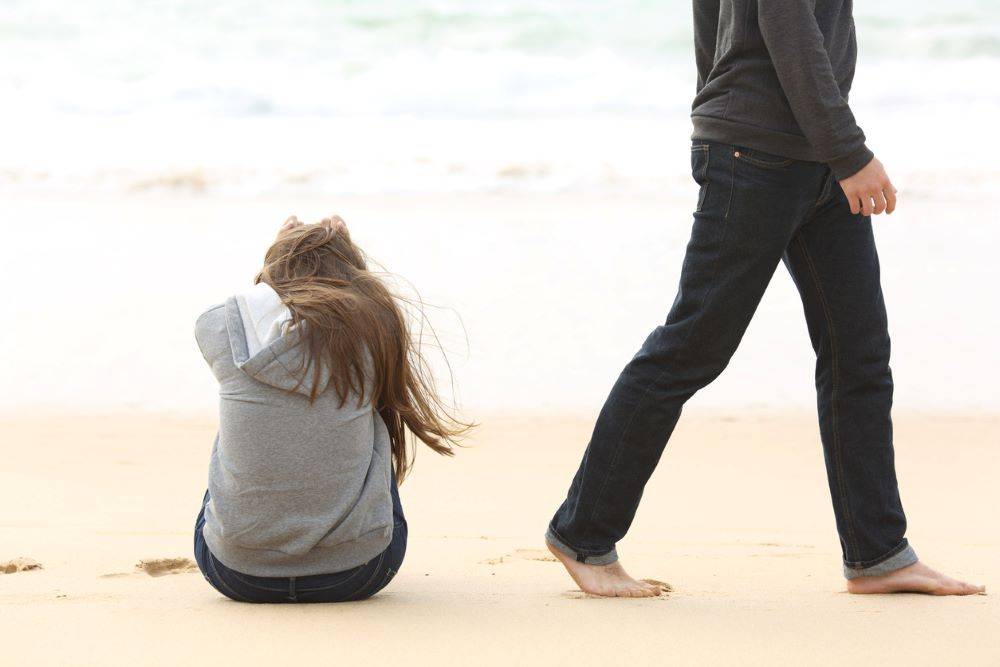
{"x": 958, "y": 587}
{"x": 632, "y": 592}
{"x": 972, "y": 589}
{"x": 949, "y": 586}
{"x": 650, "y": 591}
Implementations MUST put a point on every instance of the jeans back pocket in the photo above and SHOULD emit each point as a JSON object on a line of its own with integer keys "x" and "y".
{"x": 761, "y": 159}
{"x": 699, "y": 171}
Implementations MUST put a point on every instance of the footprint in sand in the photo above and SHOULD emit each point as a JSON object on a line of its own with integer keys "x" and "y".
{"x": 535, "y": 554}
{"x": 522, "y": 554}
{"x": 19, "y": 565}
{"x": 161, "y": 566}
{"x": 158, "y": 567}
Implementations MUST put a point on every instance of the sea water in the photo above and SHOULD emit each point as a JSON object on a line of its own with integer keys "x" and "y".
{"x": 372, "y": 96}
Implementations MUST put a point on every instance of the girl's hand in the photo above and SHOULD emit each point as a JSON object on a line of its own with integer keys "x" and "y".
{"x": 336, "y": 223}
{"x": 291, "y": 223}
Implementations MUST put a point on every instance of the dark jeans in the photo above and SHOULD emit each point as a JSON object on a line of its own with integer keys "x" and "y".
{"x": 358, "y": 583}
{"x": 754, "y": 211}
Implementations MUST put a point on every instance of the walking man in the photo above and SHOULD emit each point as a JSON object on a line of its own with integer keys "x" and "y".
{"x": 784, "y": 176}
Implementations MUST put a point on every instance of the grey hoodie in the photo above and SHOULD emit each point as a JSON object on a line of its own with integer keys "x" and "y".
{"x": 296, "y": 488}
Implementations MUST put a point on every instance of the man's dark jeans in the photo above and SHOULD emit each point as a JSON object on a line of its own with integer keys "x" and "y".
{"x": 358, "y": 583}
{"x": 754, "y": 211}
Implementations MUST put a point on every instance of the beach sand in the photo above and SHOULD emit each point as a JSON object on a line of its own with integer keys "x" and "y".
{"x": 526, "y": 167}
{"x": 737, "y": 520}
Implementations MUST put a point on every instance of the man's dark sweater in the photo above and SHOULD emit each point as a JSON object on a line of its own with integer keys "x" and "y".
{"x": 774, "y": 75}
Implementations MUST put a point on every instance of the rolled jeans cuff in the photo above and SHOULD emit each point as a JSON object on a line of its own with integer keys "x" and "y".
{"x": 587, "y": 559}
{"x": 900, "y": 557}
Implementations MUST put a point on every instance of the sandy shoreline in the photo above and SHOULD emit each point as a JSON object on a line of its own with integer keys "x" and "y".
{"x": 737, "y": 520}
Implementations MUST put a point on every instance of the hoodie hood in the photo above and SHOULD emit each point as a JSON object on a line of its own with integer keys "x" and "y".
{"x": 265, "y": 345}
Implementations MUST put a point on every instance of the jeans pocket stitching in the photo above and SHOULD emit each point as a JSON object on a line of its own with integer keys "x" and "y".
{"x": 357, "y": 593}
{"x": 217, "y": 581}
{"x": 702, "y": 196}
{"x": 700, "y": 174}
{"x": 320, "y": 589}
{"x": 763, "y": 164}
{"x": 251, "y": 584}
{"x": 825, "y": 192}
{"x": 389, "y": 574}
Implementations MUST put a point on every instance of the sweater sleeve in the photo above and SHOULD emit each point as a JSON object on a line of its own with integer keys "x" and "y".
{"x": 706, "y": 30}
{"x": 795, "y": 44}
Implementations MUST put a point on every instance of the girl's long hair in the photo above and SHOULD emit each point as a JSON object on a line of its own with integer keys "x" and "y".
{"x": 354, "y": 329}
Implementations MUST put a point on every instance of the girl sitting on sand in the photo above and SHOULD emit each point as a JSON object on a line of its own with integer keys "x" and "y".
{"x": 318, "y": 383}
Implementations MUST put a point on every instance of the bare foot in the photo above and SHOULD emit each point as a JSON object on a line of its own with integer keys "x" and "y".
{"x": 607, "y": 580}
{"x": 916, "y": 578}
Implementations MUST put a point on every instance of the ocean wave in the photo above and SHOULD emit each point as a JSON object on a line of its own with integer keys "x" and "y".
{"x": 375, "y": 96}
{"x": 385, "y": 57}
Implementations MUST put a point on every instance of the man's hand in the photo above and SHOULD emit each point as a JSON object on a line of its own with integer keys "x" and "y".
{"x": 870, "y": 190}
